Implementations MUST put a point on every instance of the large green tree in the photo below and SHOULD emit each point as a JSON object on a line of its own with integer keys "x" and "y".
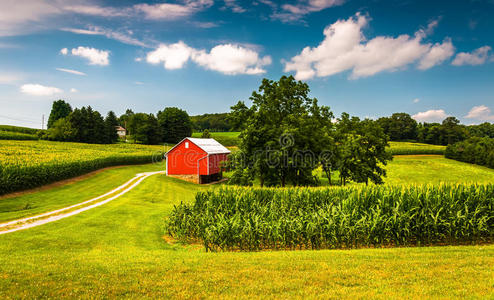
{"x": 59, "y": 109}
{"x": 175, "y": 124}
{"x": 144, "y": 128}
{"x": 400, "y": 126}
{"x": 282, "y": 137}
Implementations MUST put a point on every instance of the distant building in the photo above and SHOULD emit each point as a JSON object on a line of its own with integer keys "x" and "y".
{"x": 121, "y": 131}
{"x": 196, "y": 160}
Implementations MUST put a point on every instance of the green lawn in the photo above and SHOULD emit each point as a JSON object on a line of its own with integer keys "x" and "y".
{"x": 29, "y": 204}
{"x": 435, "y": 169}
{"x": 117, "y": 250}
{"x": 225, "y": 138}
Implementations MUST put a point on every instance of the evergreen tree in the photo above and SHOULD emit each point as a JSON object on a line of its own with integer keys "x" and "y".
{"x": 60, "y": 109}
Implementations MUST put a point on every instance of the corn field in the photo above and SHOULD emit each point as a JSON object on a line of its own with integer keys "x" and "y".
{"x": 28, "y": 164}
{"x": 233, "y": 218}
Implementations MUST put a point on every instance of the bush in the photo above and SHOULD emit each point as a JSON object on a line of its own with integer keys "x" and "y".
{"x": 12, "y": 135}
{"x": 479, "y": 151}
{"x": 259, "y": 218}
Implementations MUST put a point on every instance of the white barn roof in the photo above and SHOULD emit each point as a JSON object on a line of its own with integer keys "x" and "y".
{"x": 210, "y": 146}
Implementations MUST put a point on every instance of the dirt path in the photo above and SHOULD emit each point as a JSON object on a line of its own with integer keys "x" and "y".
{"x": 66, "y": 212}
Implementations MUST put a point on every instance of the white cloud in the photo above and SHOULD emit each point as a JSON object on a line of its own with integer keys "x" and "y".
{"x": 234, "y": 6}
{"x": 416, "y": 100}
{"x": 139, "y": 82}
{"x": 94, "y": 10}
{"x": 291, "y": 12}
{"x": 40, "y": 90}
{"x": 173, "y": 56}
{"x": 115, "y": 35}
{"x": 71, "y": 71}
{"x": 480, "y": 112}
{"x": 346, "y": 48}
{"x": 25, "y": 16}
{"x": 477, "y": 57}
{"x": 229, "y": 59}
{"x": 431, "y": 116}
{"x": 64, "y": 51}
{"x": 437, "y": 55}
{"x": 170, "y": 11}
{"x": 73, "y": 90}
{"x": 232, "y": 59}
{"x": 94, "y": 56}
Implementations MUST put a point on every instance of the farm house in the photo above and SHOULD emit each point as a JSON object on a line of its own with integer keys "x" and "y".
{"x": 196, "y": 160}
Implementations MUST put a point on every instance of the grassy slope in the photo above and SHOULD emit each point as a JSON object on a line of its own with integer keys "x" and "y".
{"x": 61, "y": 196}
{"x": 434, "y": 169}
{"x": 117, "y": 251}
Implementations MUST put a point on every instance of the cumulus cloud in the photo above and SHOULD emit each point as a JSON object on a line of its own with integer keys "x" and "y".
{"x": 481, "y": 112}
{"x": 416, "y": 100}
{"x": 173, "y": 56}
{"x": 437, "y": 55}
{"x": 71, "y": 71}
{"x": 431, "y": 116}
{"x": 35, "y": 89}
{"x": 73, "y": 90}
{"x": 232, "y": 59}
{"x": 346, "y": 48}
{"x": 228, "y": 59}
{"x": 93, "y": 55}
{"x": 476, "y": 57}
{"x": 294, "y": 12}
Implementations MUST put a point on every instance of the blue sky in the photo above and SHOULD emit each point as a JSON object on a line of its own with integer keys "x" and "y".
{"x": 431, "y": 59}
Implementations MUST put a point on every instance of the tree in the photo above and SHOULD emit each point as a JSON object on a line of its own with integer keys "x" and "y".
{"x": 205, "y": 134}
{"x": 125, "y": 118}
{"x": 111, "y": 123}
{"x": 144, "y": 128}
{"x": 59, "y": 109}
{"x": 240, "y": 113}
{"x": 175, "y": 124}
{"x": 61, "y": 131}
{"x": 362, "y": 150}
{"x": 88, "y": 125}
{"x": 283, "y": 131}
{"x": 399, "y": 127}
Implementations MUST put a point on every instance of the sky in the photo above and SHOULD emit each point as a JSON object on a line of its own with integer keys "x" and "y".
{"x": 431, "y": 59}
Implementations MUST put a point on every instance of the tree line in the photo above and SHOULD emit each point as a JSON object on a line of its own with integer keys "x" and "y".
{"x": 402, "y": 127}
{"x": 86, "y": 125}
{"x": 475, "y": 150}
{"x": 287, "y": 135}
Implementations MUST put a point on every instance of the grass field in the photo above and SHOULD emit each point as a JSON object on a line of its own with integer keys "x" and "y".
{"x": 225, "y": 138}
{"x": 117, "y": 250}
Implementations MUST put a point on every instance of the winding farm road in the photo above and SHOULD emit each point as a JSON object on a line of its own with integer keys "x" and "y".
{"x": 72, "y": 210}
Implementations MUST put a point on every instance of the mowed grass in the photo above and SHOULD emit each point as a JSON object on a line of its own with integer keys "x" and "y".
{"x": 117, "y": 250}
{"x": 74, "y": 191}
{"x": 225, "y": 138}
{"x": 434, "y": 169}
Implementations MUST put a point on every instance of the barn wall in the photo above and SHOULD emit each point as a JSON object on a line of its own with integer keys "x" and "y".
{"x": 182, "y": 161}
{"x": 215, "y": 162}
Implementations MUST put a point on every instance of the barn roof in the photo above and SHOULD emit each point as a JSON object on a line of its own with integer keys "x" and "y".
{"x": 210, "y": 146}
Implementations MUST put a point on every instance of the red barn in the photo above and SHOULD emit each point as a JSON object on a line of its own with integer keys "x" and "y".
{"x": 196, "y": 160}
